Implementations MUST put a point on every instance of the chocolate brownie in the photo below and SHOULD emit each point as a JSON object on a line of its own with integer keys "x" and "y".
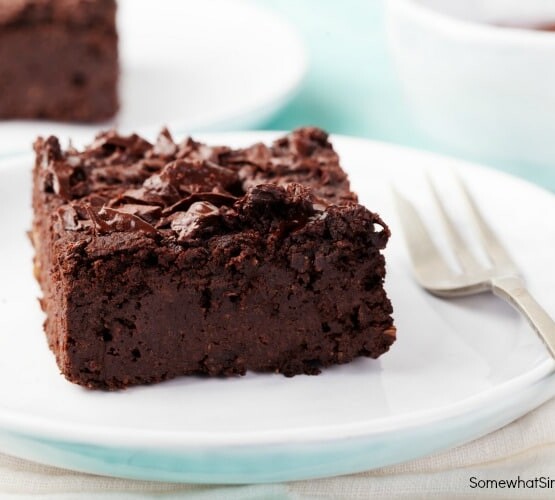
{"x": 58, "y": 59}
{"x": 167, "y": 259}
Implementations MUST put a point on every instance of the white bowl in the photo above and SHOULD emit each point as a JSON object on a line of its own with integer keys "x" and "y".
{"x": 481, "y": 90}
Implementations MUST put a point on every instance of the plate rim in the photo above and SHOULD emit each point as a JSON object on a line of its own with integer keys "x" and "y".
{"x": 267, "y": 108}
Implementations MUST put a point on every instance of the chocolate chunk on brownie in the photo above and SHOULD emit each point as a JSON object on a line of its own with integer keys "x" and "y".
{"x": 168, "y": 259}
{"x": 58, "y": 59}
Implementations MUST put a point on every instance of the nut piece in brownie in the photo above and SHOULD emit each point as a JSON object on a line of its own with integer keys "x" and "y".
{"x": 167, "y": 259}
{"x": 58, "y": 59}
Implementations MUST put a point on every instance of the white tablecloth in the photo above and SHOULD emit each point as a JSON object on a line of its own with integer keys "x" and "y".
{"x": 524, "y": 449}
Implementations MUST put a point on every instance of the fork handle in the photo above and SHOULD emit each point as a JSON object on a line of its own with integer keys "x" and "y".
{"x": 512, "y": 290}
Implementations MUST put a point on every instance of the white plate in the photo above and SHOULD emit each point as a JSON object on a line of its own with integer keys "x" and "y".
{"x": 210, "y": 64}
{"x": 458, "y": 370}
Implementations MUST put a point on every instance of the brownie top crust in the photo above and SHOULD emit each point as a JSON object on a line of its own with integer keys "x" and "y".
{"x": 187, "y": 192}
{"x": 70, "y": 13}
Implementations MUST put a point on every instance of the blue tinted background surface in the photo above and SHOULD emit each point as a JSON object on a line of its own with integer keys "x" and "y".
{"x": 351, "y": 87}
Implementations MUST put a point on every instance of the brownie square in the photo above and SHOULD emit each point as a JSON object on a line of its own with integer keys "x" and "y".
{"x": 58, "y": 59}
{"x": 167, "y": 259}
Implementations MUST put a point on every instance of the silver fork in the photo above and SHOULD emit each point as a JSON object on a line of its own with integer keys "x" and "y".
{"x": 501, "y": 277}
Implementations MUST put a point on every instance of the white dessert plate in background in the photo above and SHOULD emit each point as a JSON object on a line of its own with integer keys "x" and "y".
{"x": 458, "y": 370}
{"x": 206, "y": 64}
